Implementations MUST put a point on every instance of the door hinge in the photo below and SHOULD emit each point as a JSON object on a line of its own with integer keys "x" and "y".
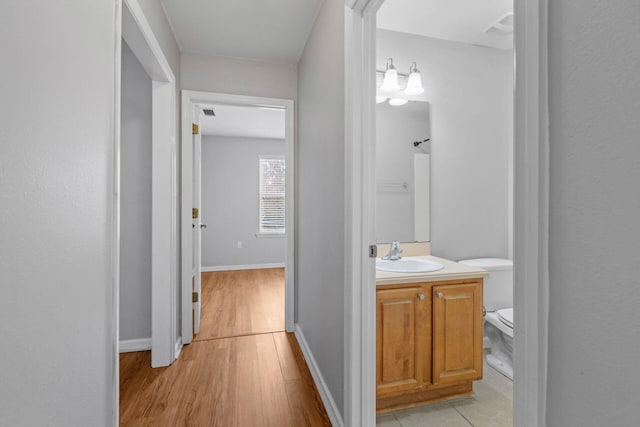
{"x": 194, "y": 297}
{"x": 373, "y": 251}
{"x": 194, "y": 213}
{"x": 194, "y": 128}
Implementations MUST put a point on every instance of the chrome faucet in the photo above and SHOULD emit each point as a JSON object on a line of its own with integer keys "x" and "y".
{"x": 394, "y": 252}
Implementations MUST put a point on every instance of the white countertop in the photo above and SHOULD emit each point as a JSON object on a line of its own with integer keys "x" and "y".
{"x": 451, "y": 271}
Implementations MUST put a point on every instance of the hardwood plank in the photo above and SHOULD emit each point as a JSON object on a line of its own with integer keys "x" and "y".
{"x": 255, "y": 379}
{"x": 286, "y": 357}
{"x": 241, "y": 302}
{"x": 225, "y": 382}
{"x": 306, "y": 406}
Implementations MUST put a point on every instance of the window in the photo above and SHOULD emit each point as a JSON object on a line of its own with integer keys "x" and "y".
{"x": 272, "y": 191}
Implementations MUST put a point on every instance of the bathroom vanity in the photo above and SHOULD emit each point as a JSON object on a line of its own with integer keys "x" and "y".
{"x": 428, "y": 334}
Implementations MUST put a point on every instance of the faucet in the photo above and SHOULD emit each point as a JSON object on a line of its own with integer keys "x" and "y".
{"x": 394, "y": 252}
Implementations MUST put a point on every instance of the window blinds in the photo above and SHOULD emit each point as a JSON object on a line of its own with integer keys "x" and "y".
{"x": 272, "y": 195}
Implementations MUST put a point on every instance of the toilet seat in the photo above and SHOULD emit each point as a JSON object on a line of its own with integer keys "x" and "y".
{"x": 493, "y": 318}
{"x": 506, "y": 316}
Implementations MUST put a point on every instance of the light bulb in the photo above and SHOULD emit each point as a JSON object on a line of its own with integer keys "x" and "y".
{"x": 397, "y": 101}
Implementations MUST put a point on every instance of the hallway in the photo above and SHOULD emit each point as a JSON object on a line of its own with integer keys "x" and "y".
{"x": 241, "y": 370}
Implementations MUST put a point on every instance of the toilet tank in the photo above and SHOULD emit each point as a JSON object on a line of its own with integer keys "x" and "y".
{"x": 498, "y": 287}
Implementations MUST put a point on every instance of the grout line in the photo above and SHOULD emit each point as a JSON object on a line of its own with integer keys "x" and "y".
{"x": 249, "y": 334}
{"x": 462, "y": 415}
{"x": 396, "y": 418}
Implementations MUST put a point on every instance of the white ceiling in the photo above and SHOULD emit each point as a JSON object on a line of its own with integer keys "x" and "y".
{"x": 269, "y": 30}
{"x": 277, "y": 30}
{"x": 458, "y": 20}
{"x": 243, "y": 121}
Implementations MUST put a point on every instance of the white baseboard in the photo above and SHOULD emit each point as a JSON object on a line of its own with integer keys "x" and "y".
{"x": 242, "y": 267}
{"x": 325, "y": 394}
{"x": 141, "y": 344}
{"x": 178, "y": 347}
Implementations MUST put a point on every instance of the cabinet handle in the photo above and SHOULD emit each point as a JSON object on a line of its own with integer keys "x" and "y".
{"x": 420, "y": 297}
{"x": 439, "y": 294}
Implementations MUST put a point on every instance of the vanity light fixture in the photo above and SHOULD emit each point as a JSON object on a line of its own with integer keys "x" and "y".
{"x": 390, "y": 83}
{"x": 390, "y": 88}
{"x": 414, "y": 84}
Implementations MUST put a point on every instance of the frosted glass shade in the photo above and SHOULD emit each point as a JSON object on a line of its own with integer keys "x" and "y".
{"x": 390, "y": 83}
{"x": 414, "y": 85}
{"x": 380, "y": 99}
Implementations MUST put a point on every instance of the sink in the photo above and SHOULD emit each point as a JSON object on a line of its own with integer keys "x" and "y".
{"x": 408, "y": 265}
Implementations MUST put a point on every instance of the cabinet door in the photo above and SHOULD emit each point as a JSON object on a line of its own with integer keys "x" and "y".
{"x": 402, "y": 333}
{"x": 457, "y": 332}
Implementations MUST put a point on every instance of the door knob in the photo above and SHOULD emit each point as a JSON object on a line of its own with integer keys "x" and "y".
{"x": 203, "y": 225}
{"x": 439, "y": 294}
{"x": 420, "y": 297}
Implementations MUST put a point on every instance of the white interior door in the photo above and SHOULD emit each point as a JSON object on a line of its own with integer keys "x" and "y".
{"x": 197, "y": 225}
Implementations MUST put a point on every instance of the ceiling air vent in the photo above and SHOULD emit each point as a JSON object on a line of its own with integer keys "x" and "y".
{"x": 502, "y": 26}
{"x": 209, "y": 112}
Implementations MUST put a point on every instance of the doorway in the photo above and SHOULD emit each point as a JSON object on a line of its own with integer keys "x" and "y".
{"x": 162, "y": 213}
{"x": 451, "y": 110}
{"x": 242, "y": 195}
{"x": 530, "y": 217}
{"x": 227, "y": 252}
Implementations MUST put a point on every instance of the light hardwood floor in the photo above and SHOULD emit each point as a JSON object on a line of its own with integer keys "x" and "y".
{"x": 257, "y": 298}
{"x": 249, "y": 380}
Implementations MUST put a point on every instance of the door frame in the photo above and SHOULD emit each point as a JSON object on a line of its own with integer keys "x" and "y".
{"x": 531, "y": 224}
{"x": 190, "y": 101}
{"x": 132, "y": 26}
{"x": 138, "y": 34}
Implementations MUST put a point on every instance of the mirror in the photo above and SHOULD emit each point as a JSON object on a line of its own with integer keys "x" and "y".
{"x": 403, "y": 159}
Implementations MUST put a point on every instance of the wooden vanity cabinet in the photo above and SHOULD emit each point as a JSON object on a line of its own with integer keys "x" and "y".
{"x": 402, "y": 342}
{"x": 428, "y": 342}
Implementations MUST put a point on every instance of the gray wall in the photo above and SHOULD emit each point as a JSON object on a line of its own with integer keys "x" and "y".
{"x": 56, "y": 213}
{"x": 594, "y": 333}
{"x": 238, "y": 76}
{"x": 470, "y": 91}
{"x": 230, "y": 202}
{"x": 320, "y": 195}
{"x": 135, "y": 193}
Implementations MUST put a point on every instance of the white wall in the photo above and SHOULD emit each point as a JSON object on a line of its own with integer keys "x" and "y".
{"x": 320, "y": 195}
{"x": 470, "y": 91}
{"x": 238, "y": 76}
{"x": 56, "y": 213}
{"x": 135, "y": 202}
{"x": 594, "y": 333}
{"x": 230, "y": 202}
{"x": 396, "y": 130}
{"x": 155, "y": 14}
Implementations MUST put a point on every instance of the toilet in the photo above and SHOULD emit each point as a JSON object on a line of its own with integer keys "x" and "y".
{"x": 498, "y": 303}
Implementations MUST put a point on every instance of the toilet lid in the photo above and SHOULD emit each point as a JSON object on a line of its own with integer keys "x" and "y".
{"x": 506, "y": 316}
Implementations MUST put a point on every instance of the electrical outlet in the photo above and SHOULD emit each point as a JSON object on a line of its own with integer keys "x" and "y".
{"x": 239, "y": 245}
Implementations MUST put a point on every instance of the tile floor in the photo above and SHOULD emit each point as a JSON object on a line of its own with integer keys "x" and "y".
{"x": 489, "y": 407}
